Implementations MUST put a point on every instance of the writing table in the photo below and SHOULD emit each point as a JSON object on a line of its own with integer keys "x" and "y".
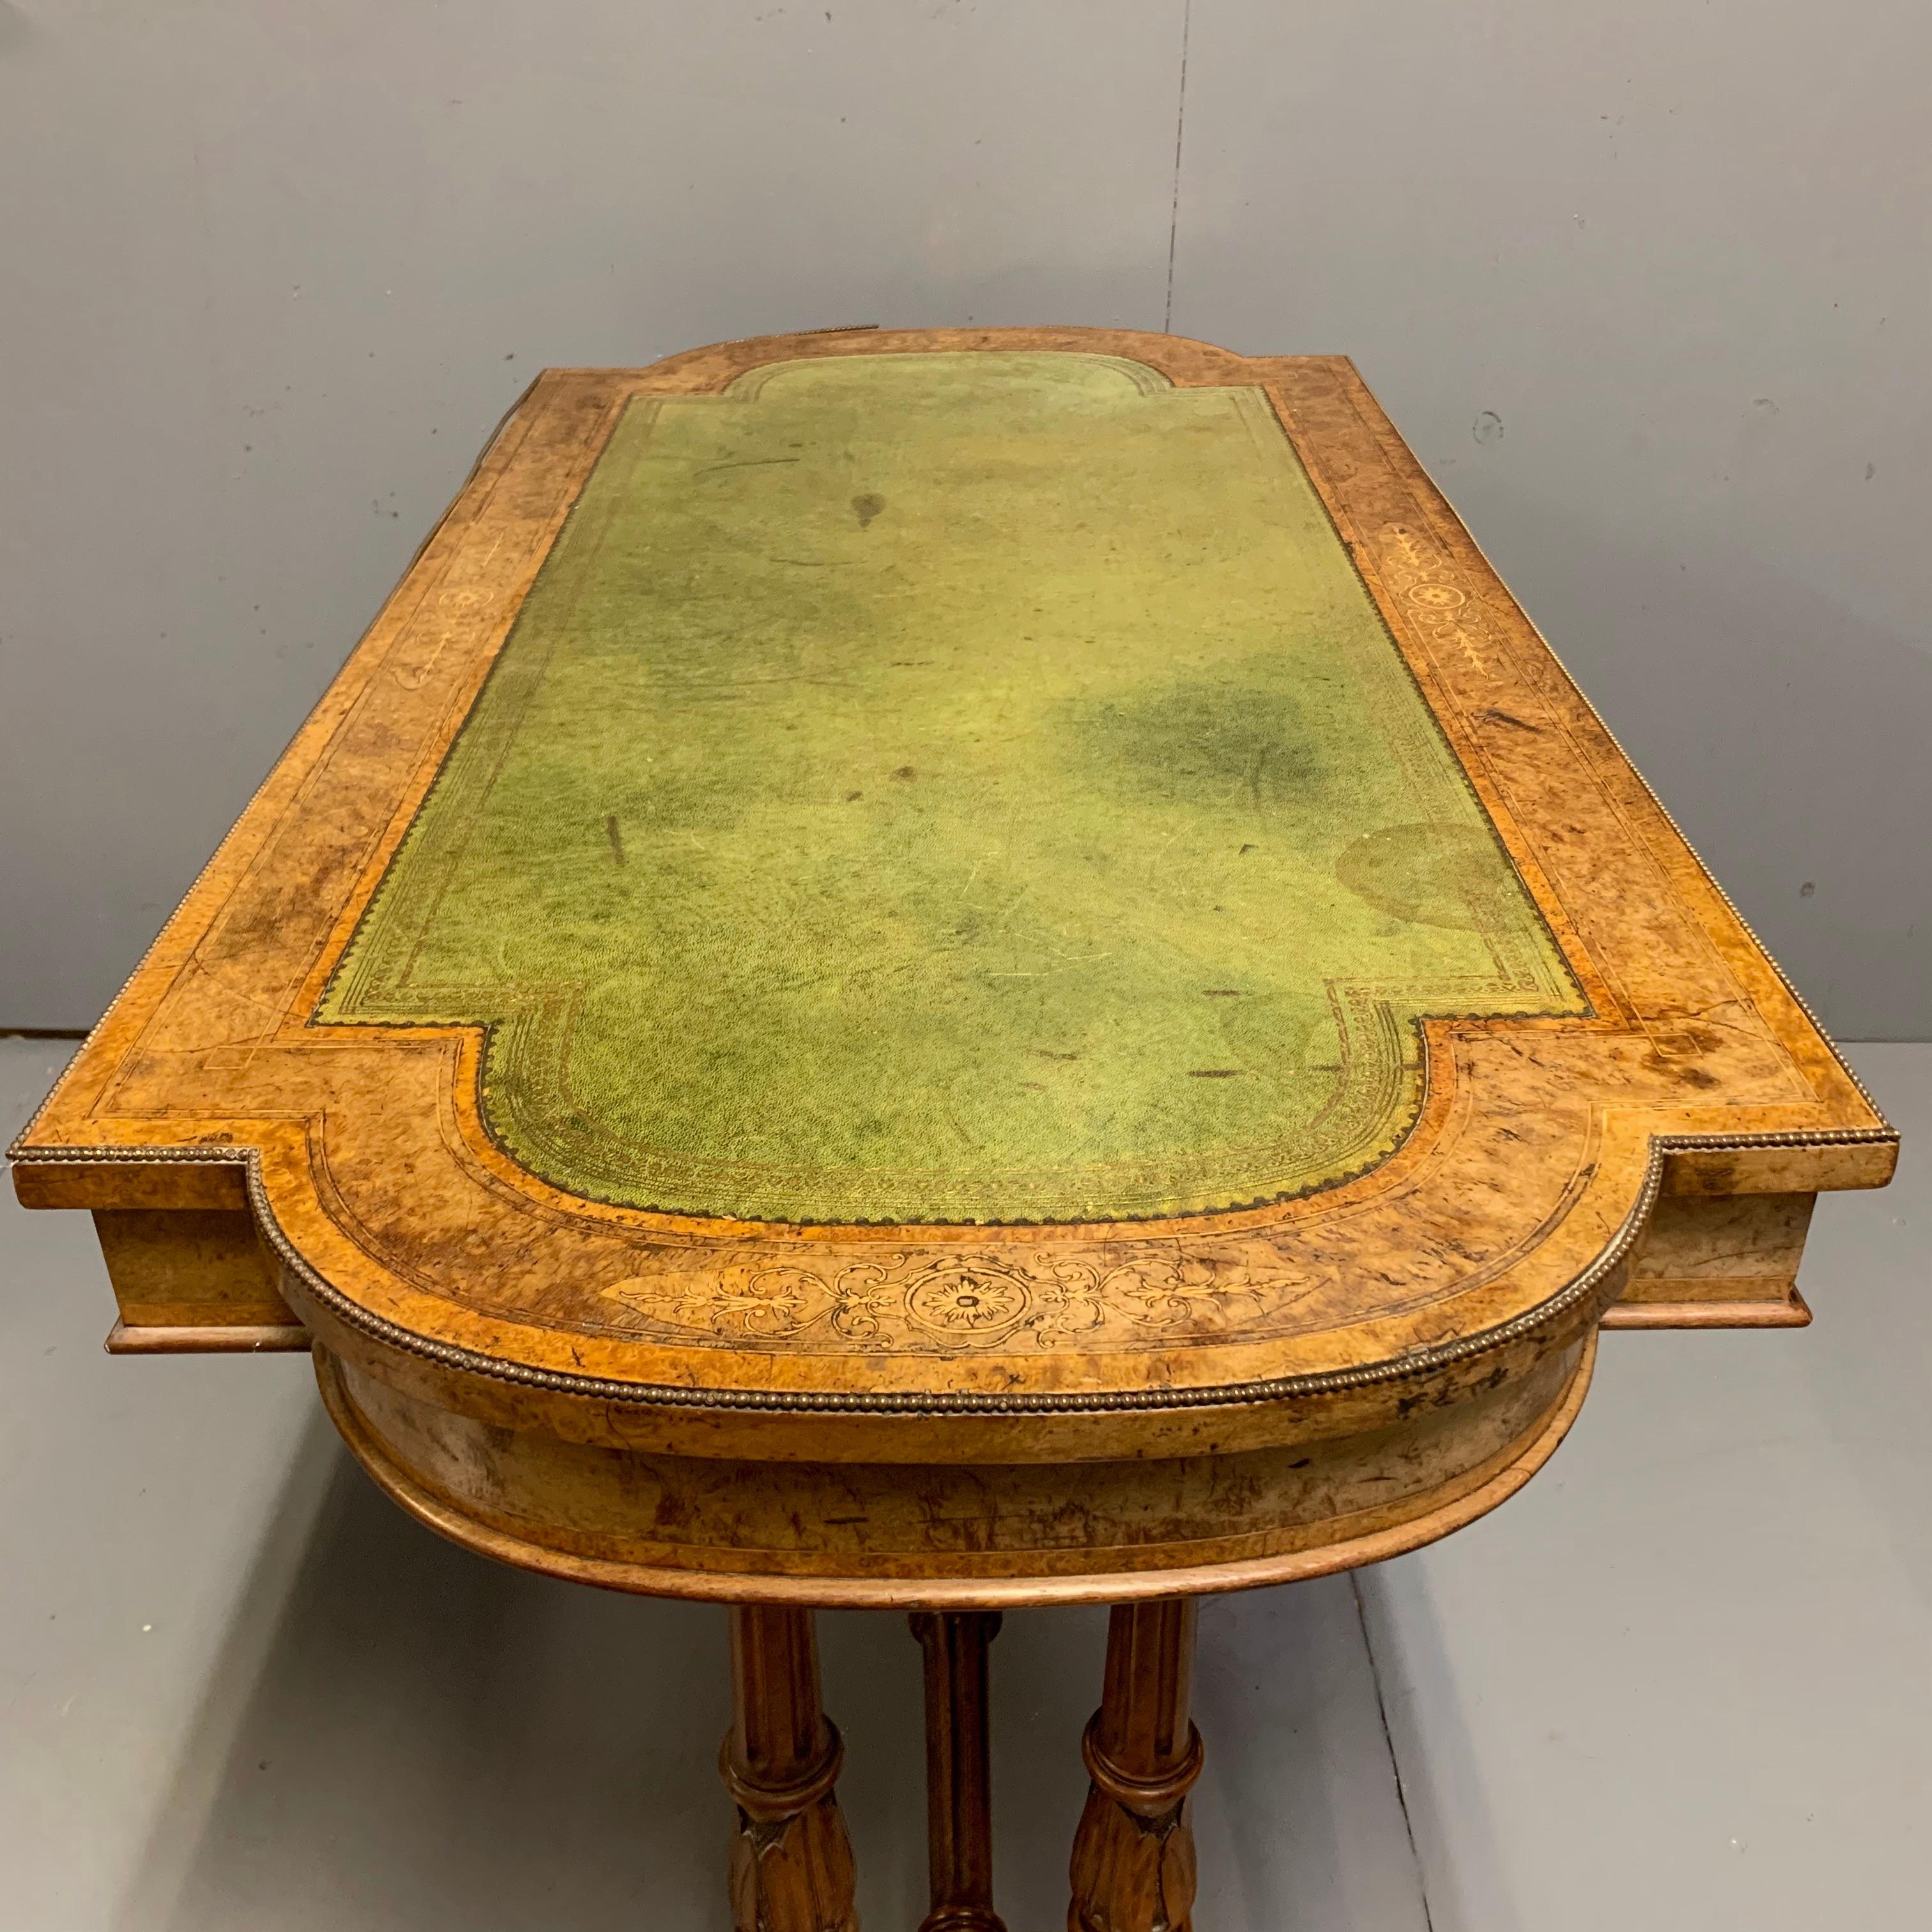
{"x": 951, "y": 969}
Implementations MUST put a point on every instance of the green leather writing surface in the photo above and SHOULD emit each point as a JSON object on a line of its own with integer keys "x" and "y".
{"x": 949, "y": 788}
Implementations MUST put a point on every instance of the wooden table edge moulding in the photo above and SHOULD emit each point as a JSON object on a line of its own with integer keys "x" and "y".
{"x": 947, "y": 970}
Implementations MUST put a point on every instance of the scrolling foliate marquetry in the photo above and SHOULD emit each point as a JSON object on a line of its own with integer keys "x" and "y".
{"x": 1012, "y": 1299}
{"x": 966, "y": 1302}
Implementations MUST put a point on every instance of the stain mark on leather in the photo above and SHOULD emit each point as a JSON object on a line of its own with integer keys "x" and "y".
{"x": 1241, "y": 743}
{"x": 1428, "y": 874}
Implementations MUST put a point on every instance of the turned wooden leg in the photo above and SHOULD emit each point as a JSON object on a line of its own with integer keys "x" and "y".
{"x": 791, "y": 1862}
{"x": 1133, "y": 1855}
{"x": 958, "y": 1777}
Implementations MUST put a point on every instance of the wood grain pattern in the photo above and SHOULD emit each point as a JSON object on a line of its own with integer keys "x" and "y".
{"x": 1133, "y": 1867}
{"x": 190, "y": 1267}
{"x": 215, "y": 1338}
{"x": 949, "y": 1529}
{"x": 958, "y": 1770}
{"x": 791, "y": 1860}
{"x": 652, "y": 1399}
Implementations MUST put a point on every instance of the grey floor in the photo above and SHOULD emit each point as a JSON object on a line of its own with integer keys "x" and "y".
{"x": 1684, "y": 1681}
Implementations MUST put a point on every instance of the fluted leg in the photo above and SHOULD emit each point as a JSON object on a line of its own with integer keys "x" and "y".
{"x": 1133, "y": 1854}
{"x": 791, "y": 1862}
{"x": 959, "y": 1776}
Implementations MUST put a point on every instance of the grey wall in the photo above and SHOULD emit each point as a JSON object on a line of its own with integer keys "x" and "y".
{"x": 1647, "y": 287}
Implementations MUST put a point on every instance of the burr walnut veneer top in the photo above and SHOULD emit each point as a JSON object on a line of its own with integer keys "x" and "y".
{"x": 970, "y": 874}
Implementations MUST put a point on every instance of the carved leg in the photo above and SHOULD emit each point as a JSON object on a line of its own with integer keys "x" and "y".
{"x": 791, "y": 1862}
{"x": 1133, "y": 1855}
{"x": 958, "y": 1778}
